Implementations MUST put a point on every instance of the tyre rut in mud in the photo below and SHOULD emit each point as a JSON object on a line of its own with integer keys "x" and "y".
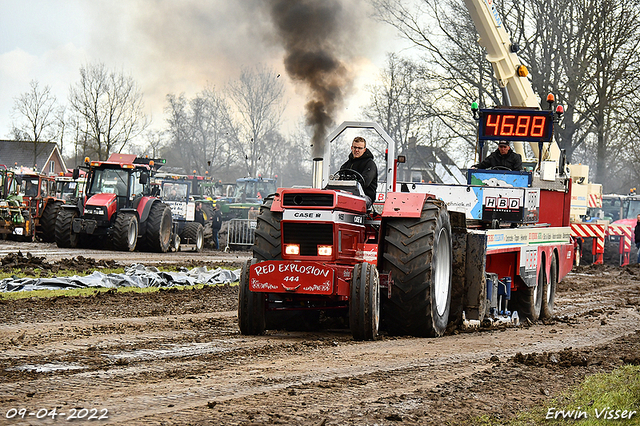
{"x": 417, "y": 252}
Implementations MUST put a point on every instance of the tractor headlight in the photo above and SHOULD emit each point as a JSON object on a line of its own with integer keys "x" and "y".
{"x": 292, "y": 249}
{"x": 325, "y": 250}
{"x": 94, "y": 211}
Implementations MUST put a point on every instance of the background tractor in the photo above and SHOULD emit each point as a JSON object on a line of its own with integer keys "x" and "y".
{"x": 15, "y": 216}
{"x": 117, "y": 210}
{"x": 39, "y": 194}
{"x": 191, "y": 217}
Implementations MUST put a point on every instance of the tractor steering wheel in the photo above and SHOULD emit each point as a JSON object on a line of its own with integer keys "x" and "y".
{"x": 349, "y": 174}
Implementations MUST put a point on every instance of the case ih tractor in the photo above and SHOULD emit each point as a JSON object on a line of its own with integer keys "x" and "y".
{"x": 39, "y": 194}
{"x": 410, "y": 263}
{"x": 15, "y": 216}
{"x": 117, "y": 209}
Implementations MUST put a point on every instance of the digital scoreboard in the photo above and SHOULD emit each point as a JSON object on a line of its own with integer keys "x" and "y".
{"x": 516, "y": 125}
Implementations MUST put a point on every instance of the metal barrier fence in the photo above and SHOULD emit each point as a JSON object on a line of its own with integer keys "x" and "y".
{"x": 241, "y": 232}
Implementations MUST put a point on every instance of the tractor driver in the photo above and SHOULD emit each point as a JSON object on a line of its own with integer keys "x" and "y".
{"x": 502, "y": 157}
{"x": 361, "y": 160}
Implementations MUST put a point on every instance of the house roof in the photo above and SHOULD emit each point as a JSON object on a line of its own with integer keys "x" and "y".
{"x": 22, "y": 153}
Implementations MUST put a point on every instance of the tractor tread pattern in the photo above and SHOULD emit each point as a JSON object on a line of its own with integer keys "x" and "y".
{"x": 267, "y": 244}
{"x": 65, "y": 238}
{"x": 157, "y": 236}
{"x": 408, "y": 255}
{"x": 193, "y": 233}
{"x": 48, "y": 221}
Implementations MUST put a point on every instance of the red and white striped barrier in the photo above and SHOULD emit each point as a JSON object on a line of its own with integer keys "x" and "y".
{"x": 625, "y": 233}
{"x": 595, "y": 231}
{"x": 594, "y": 200}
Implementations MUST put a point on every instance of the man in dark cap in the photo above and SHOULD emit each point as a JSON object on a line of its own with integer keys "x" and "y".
{"x": 502, "y": 157}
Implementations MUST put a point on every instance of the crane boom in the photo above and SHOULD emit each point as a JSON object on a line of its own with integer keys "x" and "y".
{"x": 516, "y": 89}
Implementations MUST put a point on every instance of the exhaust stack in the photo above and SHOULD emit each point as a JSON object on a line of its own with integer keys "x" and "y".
{"x": 317, "y": 173}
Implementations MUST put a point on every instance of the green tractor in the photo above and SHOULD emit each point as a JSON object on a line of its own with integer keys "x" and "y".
{"x": 15, "y": 216}
{"x": 247, "y": 199}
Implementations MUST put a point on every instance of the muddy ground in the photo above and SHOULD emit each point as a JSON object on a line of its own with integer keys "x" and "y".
{"x": 176, "y": 357}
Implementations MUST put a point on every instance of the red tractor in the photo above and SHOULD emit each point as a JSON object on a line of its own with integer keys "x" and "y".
{"x": 118, "y": 209}
{"x": 39, "y": 194}
{"x": 412, "y": 262}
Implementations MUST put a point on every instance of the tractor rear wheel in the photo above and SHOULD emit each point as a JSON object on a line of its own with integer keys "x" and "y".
{"x": 124, "y": 232}
{"x": 251, "y": 306}
{"x": 157, "y": 236}
{"x": 267, "y": 233}
{"x": 193, "y": 233}
{"x": 65, "y": 237}
{"x": 529, "y": 299}
{"x": 47, "y": 229}
{"x": 364, "y": 302}
{"x": 418, "y": 253}
{"x": 549, "y": 295}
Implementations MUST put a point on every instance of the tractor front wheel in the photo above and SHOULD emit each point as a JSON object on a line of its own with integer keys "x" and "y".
{"x": 48, "y": 221}
{"x": 418, "y": 253}
{"x": 65, "y": 237}
{"x": 193, "y": 233}
{"x": 267, "y": 244}
{"x": 251, "y": 306}
{"x": 157, "y": 236}
{"x": 124, "y": 233}
{"x": 364, "y": 302}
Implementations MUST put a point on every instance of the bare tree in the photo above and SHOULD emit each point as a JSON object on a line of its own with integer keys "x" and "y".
{"x": 258, "y": 99}
{"x": 395, "y": 101}
{"x": 110, "y": 106}
{"x": 199, "y": 131}
{"x": 584, "y": 51}
{"x": 35, "y": 111}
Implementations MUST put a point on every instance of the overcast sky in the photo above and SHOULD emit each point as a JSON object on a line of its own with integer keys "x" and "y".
{"x": 166, "y": 46}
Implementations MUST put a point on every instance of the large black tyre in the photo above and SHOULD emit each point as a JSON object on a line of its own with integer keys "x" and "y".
{"x": 364, "y": 302}
{"x": 528, "y": 300}
{"x": 251, "y": 306}
{"x": 124, "y": 232}
{"x": 65, "y": 237}
{"x": 193, "y": 233}
{"x": 157, "y": 235}
{"x": 418, "y": 253}
{"x": 549, "y": 294}
{"x": 267, "y": 245}
{"x": 47, "y": 226}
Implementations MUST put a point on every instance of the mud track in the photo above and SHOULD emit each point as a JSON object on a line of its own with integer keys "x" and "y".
{"x": 176, "y": 357}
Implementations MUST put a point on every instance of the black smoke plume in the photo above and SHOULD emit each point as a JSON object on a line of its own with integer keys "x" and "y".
{"x": 315, "y": 36}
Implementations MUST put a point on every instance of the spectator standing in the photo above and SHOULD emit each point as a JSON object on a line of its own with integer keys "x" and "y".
{"x": 216, "y": 224}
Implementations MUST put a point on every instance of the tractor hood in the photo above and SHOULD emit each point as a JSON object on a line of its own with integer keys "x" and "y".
{"x": 106, "y": 203}
{"x": 104, "y": 200}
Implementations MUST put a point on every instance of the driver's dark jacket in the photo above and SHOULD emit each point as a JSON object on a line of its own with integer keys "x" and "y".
{"x": 510, "y": 160}
{"x": 368, "y": 169}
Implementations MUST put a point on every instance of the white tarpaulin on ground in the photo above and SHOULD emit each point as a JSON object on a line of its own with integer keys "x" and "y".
{"x": 134, "y": 276}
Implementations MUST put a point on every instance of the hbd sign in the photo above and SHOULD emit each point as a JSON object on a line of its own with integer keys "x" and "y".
{"x": 502, "y": 203}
